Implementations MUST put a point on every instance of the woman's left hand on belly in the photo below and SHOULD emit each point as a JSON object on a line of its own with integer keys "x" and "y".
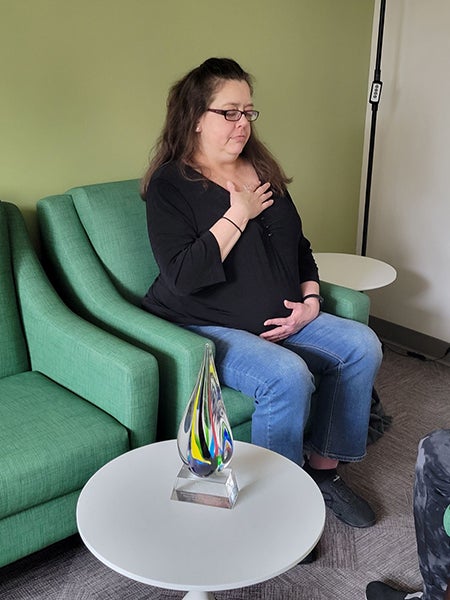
{"x": 283, "y": 327}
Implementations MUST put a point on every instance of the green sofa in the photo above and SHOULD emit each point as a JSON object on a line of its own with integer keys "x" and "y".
{"x": 96, "y": 245}
{"x": 72, "y": 397}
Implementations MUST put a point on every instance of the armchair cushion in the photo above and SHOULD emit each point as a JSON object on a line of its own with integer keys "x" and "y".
{"x": 115, "y": 225}
{"x": 58, "y": 441}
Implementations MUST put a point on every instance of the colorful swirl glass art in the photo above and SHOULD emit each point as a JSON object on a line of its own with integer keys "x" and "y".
{"x": 205, "y": 441}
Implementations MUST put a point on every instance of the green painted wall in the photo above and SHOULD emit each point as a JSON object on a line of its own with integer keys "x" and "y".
{"x": 83, "y": 87}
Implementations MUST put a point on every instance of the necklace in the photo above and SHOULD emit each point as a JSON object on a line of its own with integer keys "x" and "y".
{"x": 247, "y": 182}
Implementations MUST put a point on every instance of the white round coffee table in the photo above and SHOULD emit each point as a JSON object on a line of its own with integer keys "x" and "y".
{"x": 353, "y": 271}
{"x": 127, "y": 520}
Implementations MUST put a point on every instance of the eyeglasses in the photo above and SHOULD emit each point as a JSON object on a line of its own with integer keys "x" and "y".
{"x": 235, "y": 115}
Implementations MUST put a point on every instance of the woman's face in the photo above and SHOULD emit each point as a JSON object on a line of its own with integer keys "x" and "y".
{"x": 221, "y": 140}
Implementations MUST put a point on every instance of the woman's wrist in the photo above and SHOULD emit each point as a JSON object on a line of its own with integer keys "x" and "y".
{"x": 316, "y": 297}
{"x": 238, "y": 220}
{"x": 241, "y": 231}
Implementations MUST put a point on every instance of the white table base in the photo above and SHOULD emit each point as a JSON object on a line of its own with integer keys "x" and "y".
{"x": 199, "y": 596}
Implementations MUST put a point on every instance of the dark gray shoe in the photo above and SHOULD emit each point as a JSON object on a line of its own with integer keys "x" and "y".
{"x": 377, "y": 590}
{"x": 345, "y": 504}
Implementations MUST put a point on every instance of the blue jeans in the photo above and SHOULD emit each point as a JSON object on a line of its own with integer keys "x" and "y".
{"x": 338, "y": 358}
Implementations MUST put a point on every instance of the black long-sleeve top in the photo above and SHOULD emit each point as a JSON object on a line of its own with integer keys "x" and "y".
{"x": 266, "y": 266}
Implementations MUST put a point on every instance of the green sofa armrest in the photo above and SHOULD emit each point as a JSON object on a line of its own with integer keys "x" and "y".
{"x": 108, "y": 372}
{"x": 344, "y": 302}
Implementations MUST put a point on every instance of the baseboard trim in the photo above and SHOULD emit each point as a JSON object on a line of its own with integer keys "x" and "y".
{"x": 412, "y": 341}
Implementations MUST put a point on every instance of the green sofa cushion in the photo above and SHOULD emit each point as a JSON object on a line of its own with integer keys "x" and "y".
{"x": 113, "y": 216}
{"x": 13, "y": 352}
{"x": 52, "y": 441}
{"x": 32, "y": 529}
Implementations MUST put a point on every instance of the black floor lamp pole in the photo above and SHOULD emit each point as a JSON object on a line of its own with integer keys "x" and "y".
{"x": 375, "y": 93}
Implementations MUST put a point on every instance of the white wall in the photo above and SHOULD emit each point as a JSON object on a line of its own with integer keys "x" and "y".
{"x": 410, "y": 201}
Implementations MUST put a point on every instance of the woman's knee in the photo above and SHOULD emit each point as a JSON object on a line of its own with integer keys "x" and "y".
{"x": 297, "y": 371}
{"x": 352, "y": 340}
{"x": 368, "y": 343}
{"x": 262, "y": 369}
{"x": 288, "y": 376}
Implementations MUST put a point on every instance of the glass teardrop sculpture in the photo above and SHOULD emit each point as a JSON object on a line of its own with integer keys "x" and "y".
{"x": 205, "y": 441}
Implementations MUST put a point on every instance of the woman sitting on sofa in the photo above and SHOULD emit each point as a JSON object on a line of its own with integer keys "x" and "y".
{"x": 236, "y": 268}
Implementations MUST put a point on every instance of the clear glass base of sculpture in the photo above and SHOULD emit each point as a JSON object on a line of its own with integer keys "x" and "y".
{"x": 219, "y": 489}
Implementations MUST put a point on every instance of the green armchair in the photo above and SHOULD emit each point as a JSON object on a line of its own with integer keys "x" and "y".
{"x": 72, "y": 397}
{"x": 96, "y": 243}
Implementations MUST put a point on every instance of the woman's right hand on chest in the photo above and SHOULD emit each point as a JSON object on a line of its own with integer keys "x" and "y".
{"x": 249, "y": 203}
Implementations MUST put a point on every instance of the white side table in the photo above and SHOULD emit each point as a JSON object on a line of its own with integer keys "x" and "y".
{"x": 127, "y": 520}
{"x": 354, "y": 271}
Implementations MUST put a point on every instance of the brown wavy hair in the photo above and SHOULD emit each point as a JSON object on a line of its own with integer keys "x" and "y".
{"x": 187, "y": 101}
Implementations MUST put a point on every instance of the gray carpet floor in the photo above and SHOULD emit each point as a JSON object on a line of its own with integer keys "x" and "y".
{"x": 417, "y": 395}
